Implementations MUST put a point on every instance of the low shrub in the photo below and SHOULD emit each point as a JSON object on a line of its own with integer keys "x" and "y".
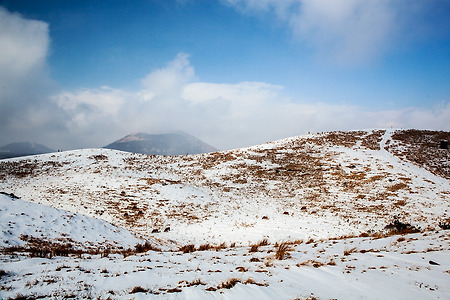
{"x": 398, "y": 227}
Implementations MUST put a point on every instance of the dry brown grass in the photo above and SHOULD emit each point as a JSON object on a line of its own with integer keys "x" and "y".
{"x": 422, "y": 148}
{"x": 314, "y": 263}
{"x": 138, "y": 289}
{"x": 220, "y": 246}
{"x": 145, "y": 247}
{"x": 400, "y": 203}
{"x": 205, "y": 247}
{"x": 282, "y": 251}
{"x": 187, "y": 248}
{"x": 396, "y": 187}
{"x": 311, "y": 240}
{"x": 349, "y": 251}
{"x": 241, "y": 269}
{"x": 372, "y": 141}
{"x": 375, "y": 178}
{"x": 195, "y": 282}
{"x": 228, "y": 284}
{"x": 255, "y": 247}
{"x": 19, "y": 169}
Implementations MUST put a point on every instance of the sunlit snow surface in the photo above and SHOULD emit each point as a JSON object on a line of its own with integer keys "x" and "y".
{"x": 315, "y": 191}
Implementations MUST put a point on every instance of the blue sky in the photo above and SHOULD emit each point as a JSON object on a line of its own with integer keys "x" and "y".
{"x": 232, "y": 72}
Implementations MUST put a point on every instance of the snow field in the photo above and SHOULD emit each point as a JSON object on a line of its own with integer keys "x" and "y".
{"x": 358, "y": 268}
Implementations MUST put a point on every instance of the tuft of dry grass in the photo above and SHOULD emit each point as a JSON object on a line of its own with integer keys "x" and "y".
{"x": 241, "y": 269}
{"x": 331, "y": 263}
{"x": 138, "y": 289}
{"x": 254, "y": 247}
{"x": 187, "y": 248}
{"x": 282, "y": 251}
{"x": 205, "y": 247}
{"x": 315, "y": 264}
{"x": 251, "y": 281}
{"x": 349, "y": 251}
{"x": 228, "y": 284}
{"x": 145, "y": 247}
{"x": 220, "y": 246}
{"x": 196, "y": 282}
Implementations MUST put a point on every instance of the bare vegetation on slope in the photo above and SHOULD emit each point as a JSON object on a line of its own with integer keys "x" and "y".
{"x": 422, "y": 148}
{"x": 338, "y": 177}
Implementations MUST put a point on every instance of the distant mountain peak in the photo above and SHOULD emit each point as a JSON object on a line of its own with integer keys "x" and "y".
{"x": 172, "y": 143}
{"x": 137, "y": 136}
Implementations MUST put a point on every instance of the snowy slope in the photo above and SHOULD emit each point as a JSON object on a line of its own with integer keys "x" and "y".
{"x": 328, "y": 195}
{"x": 321, "y": 185}
{"x": 21, "y": 218}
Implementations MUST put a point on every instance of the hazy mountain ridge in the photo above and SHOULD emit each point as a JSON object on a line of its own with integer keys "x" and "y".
{"x": 176, "y": 143}
{"x": 23, "y": 149}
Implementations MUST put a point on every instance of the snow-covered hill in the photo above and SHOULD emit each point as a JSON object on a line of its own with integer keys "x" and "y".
{"x": 319, "y": 186}
{"x": 336, "y": 198}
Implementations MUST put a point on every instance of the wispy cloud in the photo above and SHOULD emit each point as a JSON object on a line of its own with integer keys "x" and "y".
{"x": 349, "y": 32}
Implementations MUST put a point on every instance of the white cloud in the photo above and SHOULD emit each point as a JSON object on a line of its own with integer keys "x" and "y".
{"x": 88, "y": 106}
{"x": 171, "y": 98}
{"x": 24, "y": 82}
{"x": 23, "y": 46}
{"x": 168, "y": 79}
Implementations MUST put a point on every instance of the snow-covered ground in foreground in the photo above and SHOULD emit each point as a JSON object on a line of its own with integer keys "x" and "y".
{"x": 413, "y": 266}
{"x": 330, "y": 195}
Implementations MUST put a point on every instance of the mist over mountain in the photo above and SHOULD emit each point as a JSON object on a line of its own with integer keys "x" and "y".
{"x": 23, "y": 149}
{"x": 176, "y": 143}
